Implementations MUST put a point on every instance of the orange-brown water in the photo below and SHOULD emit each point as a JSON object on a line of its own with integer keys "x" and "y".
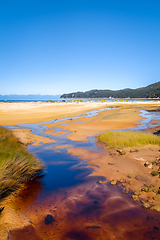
{"x": 86, "y": 211}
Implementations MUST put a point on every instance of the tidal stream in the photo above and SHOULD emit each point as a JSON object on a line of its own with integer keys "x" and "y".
{"x": 67, "y": 203}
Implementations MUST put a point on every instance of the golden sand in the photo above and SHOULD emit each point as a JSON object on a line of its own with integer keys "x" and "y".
{"x": 35, "y": 112}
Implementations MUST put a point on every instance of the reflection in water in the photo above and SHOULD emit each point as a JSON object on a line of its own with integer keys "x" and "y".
{"x": 67, "y": 203}
{"x": 92, "y": 211}
{"x": 149, "y": 116}
{"x": 62, "y": 169}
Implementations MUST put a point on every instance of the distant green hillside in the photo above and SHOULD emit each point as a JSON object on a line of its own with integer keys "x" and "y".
{"x": 151, "y": 91}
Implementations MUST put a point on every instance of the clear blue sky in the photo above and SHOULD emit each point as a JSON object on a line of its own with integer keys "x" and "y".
{"x": 61, "y": 46}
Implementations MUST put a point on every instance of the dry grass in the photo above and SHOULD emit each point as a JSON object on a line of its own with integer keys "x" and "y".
{"x": 16, "y": 164}
{"x": 128, "y": 139}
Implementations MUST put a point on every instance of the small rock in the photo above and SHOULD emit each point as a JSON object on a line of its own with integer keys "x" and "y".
{"x": 137, "y": 192}
{"x": 131, "y": 182}
{"x": 156, "y": 198}
{"x": 146, "y": 205}
{"x": 155, "y": 190}
{"x": 147, "y": 164}
{"x": 150, "y": 201}
{"x": 150, "y": 189}
{"x": 121, "y": 152}
{"x": 134, "y": 197}
{"x": 127, "y": 191}
{"x": 156, "y": 207}
{"x": 100, "y": 181}
{"x": 145, "y": 189}
{"x": 155, "y": 228}
{"x": 133, "y": 150}
{"x": 121, "y": 180}
{"x": 114, "y": 182}
{"x": 155, "y": 173}
{"x": 49, "y": 219}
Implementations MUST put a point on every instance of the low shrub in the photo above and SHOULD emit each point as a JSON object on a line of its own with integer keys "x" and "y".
{"x": 16, "y": 164}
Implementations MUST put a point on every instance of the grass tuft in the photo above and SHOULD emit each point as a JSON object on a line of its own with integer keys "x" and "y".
{"x": 128, "y": 139}
{"x": 16, "y": 164}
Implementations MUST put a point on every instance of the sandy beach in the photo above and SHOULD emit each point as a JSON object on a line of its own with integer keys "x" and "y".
{"x": 34, "y": 112}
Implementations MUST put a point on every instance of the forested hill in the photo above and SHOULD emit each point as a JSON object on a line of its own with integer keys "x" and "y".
{"x": 151, "y": 91}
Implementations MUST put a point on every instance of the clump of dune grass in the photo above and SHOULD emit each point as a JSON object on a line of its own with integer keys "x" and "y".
{"x": 16, "y": 164}
{"x": 121, "y": 139}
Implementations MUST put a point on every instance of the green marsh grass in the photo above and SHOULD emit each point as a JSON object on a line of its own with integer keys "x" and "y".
{"x": 16, "y": 164}
{"x": 51, "y": 101}
{"x": 121, "y": 139}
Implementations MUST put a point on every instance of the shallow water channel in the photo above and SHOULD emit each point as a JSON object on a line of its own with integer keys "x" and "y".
{"x": 67, "y": 203}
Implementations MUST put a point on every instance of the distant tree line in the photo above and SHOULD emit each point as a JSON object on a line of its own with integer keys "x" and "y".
{"x": 151, "y": 91}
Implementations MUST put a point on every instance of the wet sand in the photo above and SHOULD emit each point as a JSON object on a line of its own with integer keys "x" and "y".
{"x": 80, "y": 129}
{"x": 26, "y": 137}
{"x": 128, "y": 169}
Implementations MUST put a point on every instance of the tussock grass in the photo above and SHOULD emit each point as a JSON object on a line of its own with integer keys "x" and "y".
{"x": 16, "y": 164}
{"x": 128, "y": 139}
